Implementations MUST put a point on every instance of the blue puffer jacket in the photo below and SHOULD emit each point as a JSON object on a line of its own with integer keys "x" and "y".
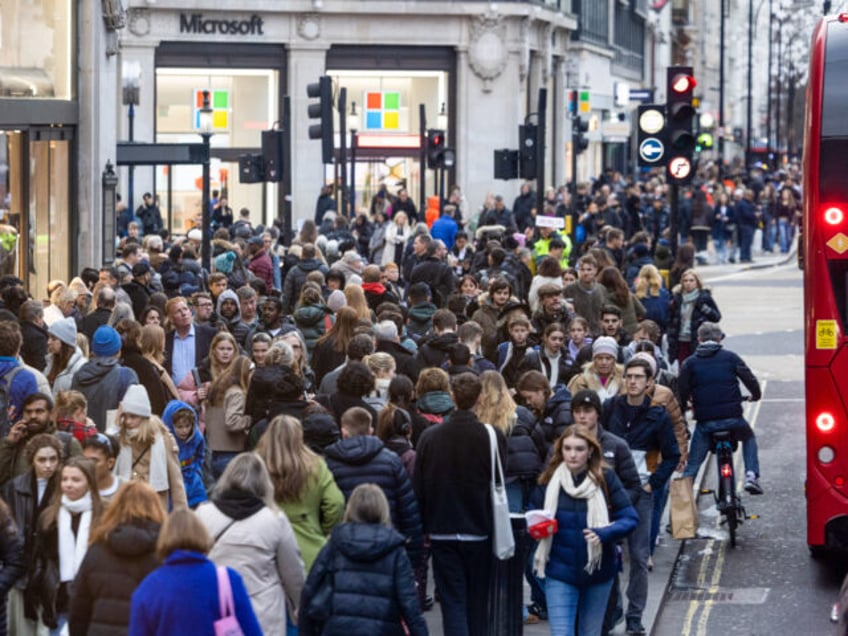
{"x": 568, "y": 556}
{"x": 709, "y": 378}
{"x": 192, "y": 453}
{"x": 373, "y": 585}
{"x": 364, "y": 459}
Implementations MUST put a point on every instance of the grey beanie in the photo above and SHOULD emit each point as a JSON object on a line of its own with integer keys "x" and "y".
{"x": 336, "y": 300}
{"x": 65, "y": 330}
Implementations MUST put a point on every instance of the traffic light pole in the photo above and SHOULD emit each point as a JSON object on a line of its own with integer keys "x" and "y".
{"x": 673, "y": 215}
{"x": 540, "y": 150}
{"x": 573, "y": 149}
{"x": 422, "y": 161}
{"x": 284, "y": 194}
{"x": 342, "y": 108}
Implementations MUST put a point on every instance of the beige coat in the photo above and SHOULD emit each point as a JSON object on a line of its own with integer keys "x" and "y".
{"x": 262, "y": 548}
{"x": 227, "y": 426}
{"x": 589, "y": 379}
{"x": 664, "y": 397}
{"x": 141, "y": 469}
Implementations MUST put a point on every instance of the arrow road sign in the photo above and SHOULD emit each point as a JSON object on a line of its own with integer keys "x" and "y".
{"x": 651, "y": 150}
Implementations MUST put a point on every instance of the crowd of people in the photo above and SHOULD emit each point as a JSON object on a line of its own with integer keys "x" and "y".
{"x": 306, "y": 422}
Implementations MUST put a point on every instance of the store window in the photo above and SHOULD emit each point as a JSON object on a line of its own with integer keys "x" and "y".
{"x": 244, "y": 103}
{"x": 36, "y": 49}
{"x": 388, "y": 139}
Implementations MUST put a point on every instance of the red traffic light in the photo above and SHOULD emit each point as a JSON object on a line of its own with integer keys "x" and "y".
{"x": 683, "y": 83}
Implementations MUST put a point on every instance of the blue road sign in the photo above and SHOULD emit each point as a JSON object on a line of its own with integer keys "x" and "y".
{"x": 643, "y": 95}
{"x": 651, "y": 150}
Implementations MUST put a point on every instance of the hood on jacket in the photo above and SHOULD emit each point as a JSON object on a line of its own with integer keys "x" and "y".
{"x": 365, "y": 542}
{"x": 94, "y": 370}
{"x": 708, "y": 349}
{"x": 422, "y": 313}
{"x": 237, "y": 504}
{"x": 168, "y": 418}
{"x": 561, "y": 396}
{"x": 278, "y": 383}
{"x": 229, "y": 294}
{"x": 319, "y": 431}
{"x": 355, "y": 451}
{"x": 309, "y": 315}
{"x": 443, "y": 342}
{"x": 310, "y": 264}
{"x": 134, "y": 539}
{"x": 436, "y": 402}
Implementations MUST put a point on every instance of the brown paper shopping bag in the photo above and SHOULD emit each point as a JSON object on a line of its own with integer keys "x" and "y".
{"x": 684, "y": 510}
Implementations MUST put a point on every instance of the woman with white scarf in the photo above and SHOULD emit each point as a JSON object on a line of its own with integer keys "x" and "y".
{"x": 593, "y": 512}
{"x": 148, "y": 450}
{"x": 64, "y": 529}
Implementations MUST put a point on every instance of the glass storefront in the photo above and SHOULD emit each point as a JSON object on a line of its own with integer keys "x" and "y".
{"x": 37, "y": 49}
{"x": 388, "y": 144}
{"x": 244, "y": 103}
{"x": 35, "y": 215}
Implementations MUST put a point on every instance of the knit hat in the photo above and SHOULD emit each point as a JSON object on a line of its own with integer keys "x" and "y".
{"x": 195, "y": 235}
{"x": 606, "y": 345}
{"x": 647, "y": 357}
{"x": 106, "y": 342}
{"x": 586, "y": 397}
{"x": 65, "y": 330}
{"x": 136, "y": 402}
{"x": 224, "y": 262}
{"x": 336, "y": 300}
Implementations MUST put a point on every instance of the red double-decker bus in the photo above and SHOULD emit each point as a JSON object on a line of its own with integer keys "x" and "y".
{"x": 823, "y": 252}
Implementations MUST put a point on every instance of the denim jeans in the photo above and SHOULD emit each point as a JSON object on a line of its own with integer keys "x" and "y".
{"x": 721, "y": 249}
{"x": 638, "y": 546}
{"x": 700, "y": 444}
{"x": 784, "y": 233}
{"x": 660, "y": 499}
{"x": 576, "y": 610}
{"x": 220, "y": 459}
{"x": 746, "y": 239}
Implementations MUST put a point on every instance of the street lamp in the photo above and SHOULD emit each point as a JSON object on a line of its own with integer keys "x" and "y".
{"x": 353, "y": 125}
{"x": 109, "y": 184}
{"x": 205, "y": 121}
{"x": 130, "y": 96}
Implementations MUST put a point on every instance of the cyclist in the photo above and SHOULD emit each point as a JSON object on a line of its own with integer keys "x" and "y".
{"x": 710, "y": 378}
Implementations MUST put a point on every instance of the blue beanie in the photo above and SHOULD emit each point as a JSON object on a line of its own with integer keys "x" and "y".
{"x": 224, "y": 262}
{"x": 106, "y": 342}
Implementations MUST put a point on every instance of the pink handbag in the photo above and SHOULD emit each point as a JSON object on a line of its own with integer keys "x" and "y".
{"x": 228, "y": 624}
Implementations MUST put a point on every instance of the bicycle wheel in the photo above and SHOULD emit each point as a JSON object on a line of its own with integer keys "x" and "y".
{"x": 730, "y": 515}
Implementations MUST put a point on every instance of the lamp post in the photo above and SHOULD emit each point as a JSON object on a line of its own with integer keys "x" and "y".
{"x": 109, "y": 184}
{"x": 353, "y": 125}
{"x": 130, "y": 96}
{"x": 206, "y": 135}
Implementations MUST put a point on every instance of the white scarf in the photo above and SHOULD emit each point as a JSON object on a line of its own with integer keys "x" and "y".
{"x": 72, "y": 549}
{"x": 158, "y": 478}
{"x": 596, "y": 515}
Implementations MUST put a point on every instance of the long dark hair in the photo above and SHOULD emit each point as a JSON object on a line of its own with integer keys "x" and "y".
{"x": 615, "y": 285}
{"x": 60, "y": 362}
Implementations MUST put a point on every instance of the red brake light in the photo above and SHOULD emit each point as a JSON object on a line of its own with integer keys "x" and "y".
{"x": 834, "y": 215}
{"x": 825, "y": 422}
{"x": 726, "y": 470}
{"x": 842, "y": 17}
{"x": 839, "y": 481}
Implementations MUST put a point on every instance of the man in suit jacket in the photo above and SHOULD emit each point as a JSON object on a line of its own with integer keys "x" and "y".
{"x": 187, "y": 344}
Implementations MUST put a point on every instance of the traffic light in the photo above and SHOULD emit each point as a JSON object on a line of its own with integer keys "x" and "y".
{"x": 272, "y": 154}
{"x": 323, "y": 110}
{"x": 680, "y": 87}
{"x": 251, "y": 169}
{"x": 435, "y": 148}
{"x": 506, "y": 164}
{"x": 527, "y": 151}
{"x": 651, "y": 137}
{"x": 579, "y": 128}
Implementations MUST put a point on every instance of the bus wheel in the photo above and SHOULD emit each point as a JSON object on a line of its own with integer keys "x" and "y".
{"x": 818, "y": 552}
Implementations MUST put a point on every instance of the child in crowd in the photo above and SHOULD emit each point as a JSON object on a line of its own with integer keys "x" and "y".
{"x": 181, "y": 420}
{"x": 71, "y": 407}
{"x": 579, "y": 332}
{"x": 511, "y": 353}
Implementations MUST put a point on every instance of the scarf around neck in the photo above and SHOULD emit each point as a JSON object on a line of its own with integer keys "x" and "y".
{"x": 158, "y": 477}
{"x": 597, "y": 515}
{"x": 72, "y": 548}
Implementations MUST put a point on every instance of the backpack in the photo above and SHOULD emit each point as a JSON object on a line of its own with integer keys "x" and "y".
{"x": 5, "y": 400}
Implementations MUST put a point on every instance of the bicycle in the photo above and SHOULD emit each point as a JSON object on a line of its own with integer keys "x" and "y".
{"x": 728, "y": 501}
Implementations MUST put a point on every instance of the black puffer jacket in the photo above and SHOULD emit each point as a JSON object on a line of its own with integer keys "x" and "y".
{"x": 364, "y": 459}
{"x": 296, "y": 278}
{"x": 705, "y": 310}
{"x": 526, "y": 449}
{"x": 272, "y": 391}
{"x": 434, "y": 351}
{"x": 109, "y": 574}
{"x": 557, "y": 416}
{"x": 373, "y": 585}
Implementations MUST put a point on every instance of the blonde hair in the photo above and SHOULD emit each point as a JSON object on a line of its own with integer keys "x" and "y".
{"x": 496, "y": 406}
{"x": 356, "y": 300}
{"x": 152, "y": 343}
{"x": 147, "y": 431}
{"x": 290, "y": 463}
{"x": 648, "y": 282}
{"x": 368, "y": 504}
{"x": 380, "y": 362}
{"x": 182, "y": 530}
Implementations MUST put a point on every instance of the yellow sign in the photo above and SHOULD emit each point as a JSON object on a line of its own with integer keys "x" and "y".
{"x": 838, "y": 243}
{"x": 826, "y": 334}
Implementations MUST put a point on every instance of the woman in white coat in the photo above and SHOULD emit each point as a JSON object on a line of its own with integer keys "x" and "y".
{"x": 64, "y": 357}
{"x": 253, "y": 537}
{"x": 397, "y": 235}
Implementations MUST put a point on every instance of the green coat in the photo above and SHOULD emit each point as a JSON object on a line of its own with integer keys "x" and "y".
{"x": 319, "y": 510}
